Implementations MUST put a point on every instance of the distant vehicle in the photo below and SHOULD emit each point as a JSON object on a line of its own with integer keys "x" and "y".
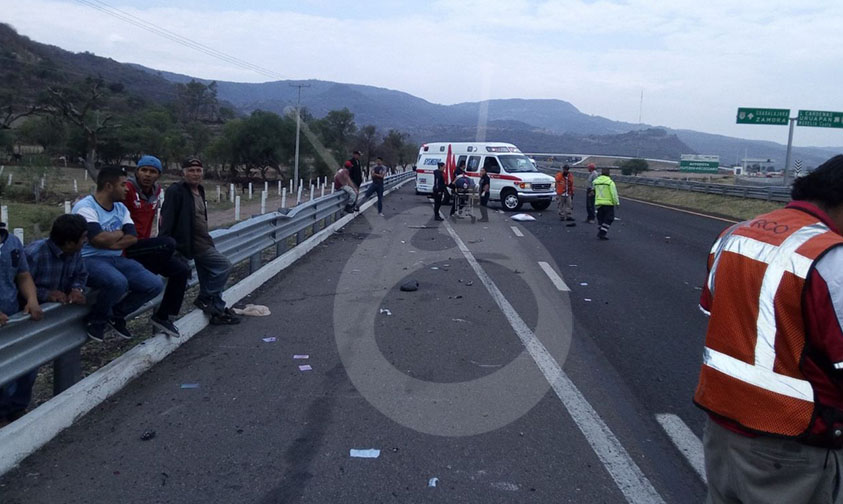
{"x": 515, "y": 180}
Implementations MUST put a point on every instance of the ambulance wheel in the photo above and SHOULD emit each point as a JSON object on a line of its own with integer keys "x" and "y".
{"x": 540, "y": 205}
{"x": 510, "y": 201}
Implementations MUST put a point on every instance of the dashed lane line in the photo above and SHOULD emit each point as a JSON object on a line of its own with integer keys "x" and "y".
{"x": 685, "y": 440}
{"x": 628, "y": 477}
{"x": 517, "y": 232}
{"x": 555, "y": 278}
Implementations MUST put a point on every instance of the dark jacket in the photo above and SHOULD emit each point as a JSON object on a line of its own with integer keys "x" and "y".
{"x": 177, "y": 216}
{"x": 356, "y": 172}
{"x": 438, "y": 181}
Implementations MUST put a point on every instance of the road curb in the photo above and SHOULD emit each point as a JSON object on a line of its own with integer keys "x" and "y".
{"x": 23, "y": 437}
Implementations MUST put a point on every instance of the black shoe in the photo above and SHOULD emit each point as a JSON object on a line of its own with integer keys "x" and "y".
{"x": 165, "y": 326}
{"x": 603, "y": 237}
{"x": 206, "y": 305}
{"x": 95, "y": 331}
{"x": 569, "y": 219}
{"x": 119, "y": 326}
{"x": 571, "y": 224}
{"x": 225, "y": 318}
{"x": 438, "y": 218}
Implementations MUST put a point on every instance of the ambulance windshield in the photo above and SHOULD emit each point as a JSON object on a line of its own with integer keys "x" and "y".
{"x": 517, "y": 163}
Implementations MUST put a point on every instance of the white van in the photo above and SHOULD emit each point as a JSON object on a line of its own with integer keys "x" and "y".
{"x": 514, "y": 179}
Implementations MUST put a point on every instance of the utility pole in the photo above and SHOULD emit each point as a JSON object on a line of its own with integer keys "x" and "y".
{"x": 298, "y": 129}
{"x": 785, "y": 174}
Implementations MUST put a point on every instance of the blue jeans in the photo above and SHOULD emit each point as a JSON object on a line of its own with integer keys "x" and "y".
{"x": 213, "y": 269}
{"x": 115, "y": 277}
{"x": 373, "y": 188}
{"x": 15, "y": 395}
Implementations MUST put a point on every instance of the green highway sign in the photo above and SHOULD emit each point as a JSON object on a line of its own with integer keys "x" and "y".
{"x": 820, "y": 119}
{"x": 763, "y": 116}
{"x": 694, "y": 163}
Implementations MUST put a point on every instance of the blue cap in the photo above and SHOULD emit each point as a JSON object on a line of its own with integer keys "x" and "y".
{"x": 151, "y": 161}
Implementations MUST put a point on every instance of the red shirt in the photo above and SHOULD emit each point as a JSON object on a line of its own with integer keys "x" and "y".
{"x": 143, "y": 208}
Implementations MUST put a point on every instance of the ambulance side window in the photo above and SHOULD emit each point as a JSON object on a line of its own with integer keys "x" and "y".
{"x": 473, "y": 164}
{"x": 491, "y": 165}
{"x": 461, "y": 159}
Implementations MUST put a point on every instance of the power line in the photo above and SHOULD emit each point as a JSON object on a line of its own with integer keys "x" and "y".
{"x": 175, "y": 37}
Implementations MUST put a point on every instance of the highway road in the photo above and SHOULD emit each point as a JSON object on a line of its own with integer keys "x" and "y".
{"x": 534, "y": 363}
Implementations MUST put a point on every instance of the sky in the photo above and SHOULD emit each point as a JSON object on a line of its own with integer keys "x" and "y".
{"x": 694, "y": 61}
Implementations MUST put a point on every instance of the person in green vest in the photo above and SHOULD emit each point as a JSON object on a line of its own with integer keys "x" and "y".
{"x": 605, "y": 200}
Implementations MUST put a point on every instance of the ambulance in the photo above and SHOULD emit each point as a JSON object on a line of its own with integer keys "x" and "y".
{"x": 514, "y": 178}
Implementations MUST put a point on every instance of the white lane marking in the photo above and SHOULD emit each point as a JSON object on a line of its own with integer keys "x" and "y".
{"x": 517, "y": 232}
{"x": 627, "y": 475}
{"x": 685, "y": 440}
{"x": 556, "y": 279}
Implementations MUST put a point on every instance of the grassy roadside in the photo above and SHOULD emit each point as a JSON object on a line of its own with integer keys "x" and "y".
{"x": 711, "y": 204}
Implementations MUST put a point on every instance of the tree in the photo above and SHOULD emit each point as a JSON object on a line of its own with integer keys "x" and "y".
{"x": 48, "y": 132}
{"x": 262, "y": 142}
{"x": 82, "y": 106}
{"x": 634, "y": 166}
{"x": 367, "y": 142}
{"x": 198, "y": 102}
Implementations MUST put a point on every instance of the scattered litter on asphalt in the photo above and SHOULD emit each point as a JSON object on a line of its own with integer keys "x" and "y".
{"x": 421, "y": 227}
{"x": 189, "y": 385}
{"x": 272, "y": 339}
{"x": 463, "y": 321}
{"x": 402, "y": 241}
{"x": 572, "y": 265}
{"x": 486, "y": 365}
{"x": 370, "y": 453}
{"x": 301, "y": 356}
{"x": 410, "y": 286}
{"x": 584, "y": 284}
{"x": 431, "y": 483}
{"x": 386, "y": 311}
{"x": 434, "y": 267}
{"x": 588, "y": 300}
{"x": 698, "y": 288}
{"x": 253, "y": 310}
{"x": 503, "y": 485}
{"x": 469, "y": 283}
{"x": 446, "y": 265}
{"x": 147, "y": 435}
{"x": 523, "y": 218}
{"x": 305, "y": 367}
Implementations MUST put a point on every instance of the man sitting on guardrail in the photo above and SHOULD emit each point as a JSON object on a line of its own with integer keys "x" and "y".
{"x": 184, "y": 217}
{"x": 156, "y": 253}
{"x": 343, "y": 182}
{"x": 123, "y": 285}
{"x": 56, "y": 262}
{"x": 15, "y": 279}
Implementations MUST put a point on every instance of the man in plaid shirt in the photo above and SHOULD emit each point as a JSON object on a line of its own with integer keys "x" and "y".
{"x": 56, "y": 263}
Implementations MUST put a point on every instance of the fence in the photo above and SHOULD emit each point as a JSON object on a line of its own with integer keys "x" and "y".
{"x": 781, "y": 194}
{"x": 59, "y": 337}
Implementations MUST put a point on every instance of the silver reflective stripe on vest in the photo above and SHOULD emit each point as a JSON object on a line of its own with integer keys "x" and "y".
{"x": 758, "y": 376}
{"x": 780, "y": 260}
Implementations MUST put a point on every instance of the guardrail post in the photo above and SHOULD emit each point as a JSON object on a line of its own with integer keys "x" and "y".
{"x": 67, "y": 370}
{"x": 769, "y": 193}
{"x": 300, "y": 237}
{"x": 254, "y": 262}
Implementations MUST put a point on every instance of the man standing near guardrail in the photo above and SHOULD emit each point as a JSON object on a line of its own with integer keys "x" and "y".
{"x": 342, "y": 182}
{"x": 565, "y": 195}
{"x": 15, "y": 279}
{"x": 123, "y": 285}
{"x": 376, "y": 187}
{"x": 156, "y": 253}
{"x": 605, "y": 199}
{"x": 356, "y": 171}
{"x": 589, "y": 193}
{"x": 184, "y": 217}
{"x": 772, "y": 373}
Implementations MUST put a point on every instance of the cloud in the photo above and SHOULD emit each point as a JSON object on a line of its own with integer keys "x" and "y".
{"x": 696, "y": 61}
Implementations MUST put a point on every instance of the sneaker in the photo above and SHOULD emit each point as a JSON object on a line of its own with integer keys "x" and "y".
{"x": 438, "y": 218}
{"x": 225, "y": 318}
{"x": 119, "y": 326}
{"x": 165, "y": 326}
{"x": 603, "y": 237}
{"x": 380, "y": 214}
{"x": 95, "y": 331}
{"x": 206, "y": 305}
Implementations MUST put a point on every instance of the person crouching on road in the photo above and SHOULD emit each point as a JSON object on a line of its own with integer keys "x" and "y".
{"x": 184, "y": 217}
{"x": 605, "y": 199}
{"x": 343, "y": 182}
{"x": 156, "y": 253}
{"x": 565, "y": 195}
{"x": 772, "y": 373}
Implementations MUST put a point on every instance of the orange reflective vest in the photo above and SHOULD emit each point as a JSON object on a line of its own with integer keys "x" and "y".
{"x": 756, "y": 336}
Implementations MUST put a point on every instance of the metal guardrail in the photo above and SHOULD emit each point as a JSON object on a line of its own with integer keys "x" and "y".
{"x": 780, "y": 194}
{"x": 58, "y": 338}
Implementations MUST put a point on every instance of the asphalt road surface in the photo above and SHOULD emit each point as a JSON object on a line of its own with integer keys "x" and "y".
{"x": 534, "y": 363}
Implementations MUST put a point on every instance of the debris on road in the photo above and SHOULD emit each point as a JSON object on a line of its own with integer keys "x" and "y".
{"x": 431, "y": 483}
{"x": 386, "y": 311}
{"x": 588, "y": 300}
{"x": 371, "y": 453}
{"x": 462, "y": 321}
{"x": 410, "y": 286}
{"x": 305, "y": 367}
{"x": 189, "y": 385}
{"x": 147, "y": 435}
{"x": 301, "y": 356}
{"x": 584, "y": 284}
{"x": 469, "y": 283}
{"x": 253, "y": 310}
{"x": 271, "y": 339}
{"x": 523, "y": 217}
